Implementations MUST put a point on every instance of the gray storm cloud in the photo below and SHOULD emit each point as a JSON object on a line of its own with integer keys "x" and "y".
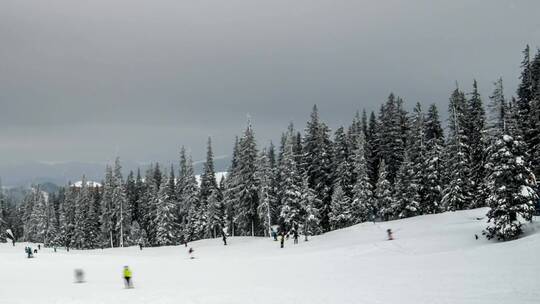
{"x": 86, "y": 80}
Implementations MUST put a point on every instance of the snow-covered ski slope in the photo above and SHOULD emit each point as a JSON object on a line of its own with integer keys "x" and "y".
{"x": 434, "y": 259}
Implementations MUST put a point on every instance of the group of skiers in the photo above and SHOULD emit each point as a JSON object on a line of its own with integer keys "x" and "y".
{"x": 284, "y": 235}
{"x": 29, "y": 252}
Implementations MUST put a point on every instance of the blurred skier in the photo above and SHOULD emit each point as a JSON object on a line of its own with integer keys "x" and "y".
{"x": 127, "y": 277}
{"x": 282, "y": 239}
{"x": 389, "y": 233}
{"x": 224, "y": 239}
{"x": 140, "y": 246}
{"x": 190, "y": 252}
{"x": 39, "y": 246}
{"x": 79, "y": 275}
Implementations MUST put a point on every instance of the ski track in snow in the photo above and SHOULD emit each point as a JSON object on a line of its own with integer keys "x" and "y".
{"x": 434, "y": 259}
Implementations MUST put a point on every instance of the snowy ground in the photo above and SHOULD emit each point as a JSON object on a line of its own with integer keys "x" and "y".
{"x": 434, "y": 259}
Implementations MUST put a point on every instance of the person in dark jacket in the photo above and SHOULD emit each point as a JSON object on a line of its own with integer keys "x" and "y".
{"x": 282, "y": 239}
{"x": 295, "y": 236}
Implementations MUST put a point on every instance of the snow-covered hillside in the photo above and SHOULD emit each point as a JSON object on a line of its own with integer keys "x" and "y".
{"x": 434, "y": 259}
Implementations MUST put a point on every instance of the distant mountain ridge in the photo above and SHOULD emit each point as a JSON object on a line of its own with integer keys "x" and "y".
{"x": 33, "y": 173}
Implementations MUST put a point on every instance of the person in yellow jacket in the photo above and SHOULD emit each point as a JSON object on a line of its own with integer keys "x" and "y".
{"x": 127, "y": 277}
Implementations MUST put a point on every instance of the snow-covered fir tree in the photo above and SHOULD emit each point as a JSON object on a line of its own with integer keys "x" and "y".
{"x": 120, "y": 206}
{"x": 137, "y": 236}
{"x": 511, "y": 189}
{"x": 216, "y": 214}
{"x": 291, "y": 186}
{"x": 36, "y": 227}
{"x": 341, "y": 214}
{"x": 433, "y": 181}
{"x": 391, "y": 135}
{"x": 309, "y": 212}
{"x": 82, "y": 208}
{"x": 3, "y": 215}
{"x": 230, "y": 194}
{"x": 457, "y": 195}
{"x": 247, "y": 189}
{"x": 497, "y": 119}
{"x": 107, "y": 208}
{"x": 343, "y": 163}
{"x": 372, "y": 149}
{"x": 317, "y": 163}
{"x": 167, "y": 232}
{"x": 477, "y": 143}
{"x": 196, "y": 223}
{"x": 266, "y": 208}
{"x": 383, "y": 194}
{"x": 407, "y": 194}
{"x": 182, "y": 209}
{"x": 208, "y": 184}
{"x": 363, "y": 200}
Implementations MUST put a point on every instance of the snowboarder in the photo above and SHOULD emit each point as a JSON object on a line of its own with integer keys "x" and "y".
{"x": 389, "y": 232}
{"x": 190, "y": 252}
{"x": 295, "y": 236}
{"x": 127, "y": 277}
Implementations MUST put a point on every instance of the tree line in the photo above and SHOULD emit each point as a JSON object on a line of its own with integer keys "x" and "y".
{"x": 386, "y": 165}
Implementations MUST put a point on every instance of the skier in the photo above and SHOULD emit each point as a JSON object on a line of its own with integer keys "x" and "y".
{"x": 29, "y": 252}
{"x": 190, "y": 252}
{"x": 295, "y": 236}
{"x": 39, "y": 246}
{"x": 282, "y": 239}
{"x": 224, "y": 239}
{"x": 389, "y": 232}
{"x": 140, "y": 245}
{"x": 127, "y": 277}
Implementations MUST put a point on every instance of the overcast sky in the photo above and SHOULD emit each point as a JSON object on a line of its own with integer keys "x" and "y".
{"x": 88, "y": 80}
